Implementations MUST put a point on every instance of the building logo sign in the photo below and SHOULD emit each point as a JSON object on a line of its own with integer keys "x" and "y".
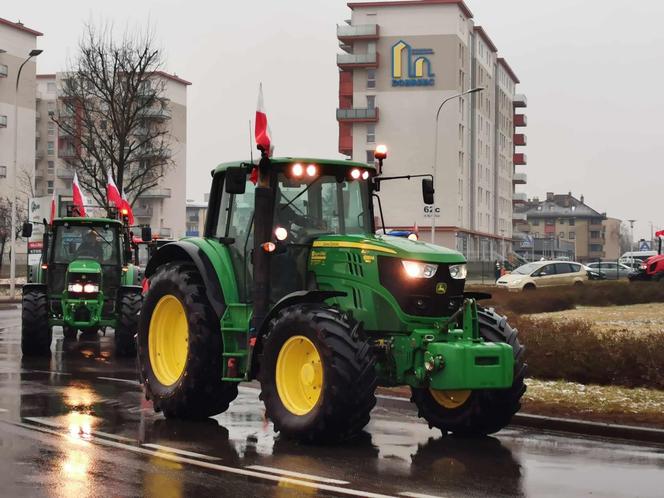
{"x": 411, "y": 66}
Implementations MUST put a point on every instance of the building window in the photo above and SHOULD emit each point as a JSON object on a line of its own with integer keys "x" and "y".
{"x": 50, "y": 147}
{"x": 561, "y": 235}
{"x": 51, "y": 166}
{"x": 370, "y": 157}
{"x": 371, "y": 78}
{"x": 50, "y": 87}
{"x": 535, "y": 222}
{"x": 49, "y": 190}
{"x": 371, "y": 101}
{"x": 3, "y": 171}
{"x": 50, "y": 106}
{"x": 594, "y": 235}
{"x": 572, "y": 235}
{"x": 561, "y": 221}
{"x": 595, "y": 247}
{"x": 51, "y": 128}
{"x": 371, "y": 133}
{"x": 572, "y": 222}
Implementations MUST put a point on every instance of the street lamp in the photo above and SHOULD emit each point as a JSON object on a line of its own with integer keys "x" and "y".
{"x": 631, "y": 234}
{"x": 435, "y": 151}
{"x": 12, "y": 264}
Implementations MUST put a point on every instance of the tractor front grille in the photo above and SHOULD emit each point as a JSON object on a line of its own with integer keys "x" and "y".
{"x": 418, "y": 296}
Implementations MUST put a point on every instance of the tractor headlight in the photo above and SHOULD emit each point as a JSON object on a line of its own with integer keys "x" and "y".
{"x": 77, "y": 288}
{"x": 417, "y": 269}
{"x": 90, "y": 288}
{"x": 458, "y": 272}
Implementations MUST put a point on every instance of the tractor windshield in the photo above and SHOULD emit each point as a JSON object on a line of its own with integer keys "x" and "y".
{"x": 86, "y": 242}
{"x": 326, "y": 204}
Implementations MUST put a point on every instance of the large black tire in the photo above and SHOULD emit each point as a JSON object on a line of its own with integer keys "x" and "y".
{"x": 349, "y": 380}
{"x": 199, "y": 392}
{"x": 129, "y": 307}
{"x": 69, "y": 333}
{"x": 36, "y": 333}
{"x": 485, "y": 411}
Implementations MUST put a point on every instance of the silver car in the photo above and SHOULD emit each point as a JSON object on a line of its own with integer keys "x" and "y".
{"x": 612, "y": 269}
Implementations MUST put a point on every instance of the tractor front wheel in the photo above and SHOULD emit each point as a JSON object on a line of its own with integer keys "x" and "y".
{"x": 317, "y": 374}
{"x": 180, "y": 347}
{"x": 481, "y": 412}
{"x": 36, "y": 333}
{"x": 129, "y": 307}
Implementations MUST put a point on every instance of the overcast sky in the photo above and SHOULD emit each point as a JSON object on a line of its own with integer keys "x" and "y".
{"x": 592, "y": 72}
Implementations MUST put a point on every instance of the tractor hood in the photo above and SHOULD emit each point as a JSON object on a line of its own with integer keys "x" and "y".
{"x": 84, "y": 266}
{"x": 388, "y": 245}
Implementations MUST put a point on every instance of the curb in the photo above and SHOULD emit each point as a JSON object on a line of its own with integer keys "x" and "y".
{"x": 575, "y": 426}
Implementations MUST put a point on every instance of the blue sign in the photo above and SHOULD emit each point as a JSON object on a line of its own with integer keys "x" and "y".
{"x": 528, "y": 242}
{"x": 411, "y": 66}
{"x": 644, "y": 245}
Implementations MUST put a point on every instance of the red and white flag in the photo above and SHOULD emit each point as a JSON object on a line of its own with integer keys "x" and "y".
{"x": 77, "y": 194}
{"x": 53, "y": 207}
{"x": 262, "y": 128}
{"x": 112, "y": 192}
{"x": 126, "y": 209}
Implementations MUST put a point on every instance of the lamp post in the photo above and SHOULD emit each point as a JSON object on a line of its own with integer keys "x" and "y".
{"x": 435, "y": 152}
{"x": 631, "y": 234}
{"x": 12, "y": 263}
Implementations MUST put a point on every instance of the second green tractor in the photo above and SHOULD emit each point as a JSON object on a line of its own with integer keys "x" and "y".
{"x": 292, "y": 286}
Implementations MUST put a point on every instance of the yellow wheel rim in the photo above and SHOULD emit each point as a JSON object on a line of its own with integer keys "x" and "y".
{"x": 450, "y": 399}
{"x": 168, "y": 340}
{"x": 299, "y": 375}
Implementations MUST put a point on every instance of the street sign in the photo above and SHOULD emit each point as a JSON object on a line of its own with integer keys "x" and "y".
{"x": 528, "y": 242}
{"x": 644, "y": 245}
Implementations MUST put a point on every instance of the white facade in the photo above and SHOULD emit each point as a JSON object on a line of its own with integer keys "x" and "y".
{"x": 404, "y": 59}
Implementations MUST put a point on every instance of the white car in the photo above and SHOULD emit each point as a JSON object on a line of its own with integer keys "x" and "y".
{"x": 532, "y": 276}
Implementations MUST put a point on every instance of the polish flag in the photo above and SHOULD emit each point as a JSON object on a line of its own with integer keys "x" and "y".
{"x": 112, "y": 192}
{"x": 77, "y": 194}
{"x": 126, "y": 209}
{"x": 262, "y": 128}
{"x": 53, "y": 201}
{"x": 660, "y": 233}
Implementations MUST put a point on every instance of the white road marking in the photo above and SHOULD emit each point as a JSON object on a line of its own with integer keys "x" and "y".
{"x": 221, "y": 468}
{"x": 125, "y": 381}
{"x": 394, "y": 398}
{"x": 417, "y": 495}
{"x": 51, "y": 423}
{"x": 181, "y": 452}
{"x": 290, "y": 473}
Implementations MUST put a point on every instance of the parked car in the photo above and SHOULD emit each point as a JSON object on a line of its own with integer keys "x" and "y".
{"x": 594, "y": 274}
{"x": 611, "y": 269}
{"x": 532, "y": 276}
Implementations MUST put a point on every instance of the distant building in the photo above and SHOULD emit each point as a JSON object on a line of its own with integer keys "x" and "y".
{"x": 399, "y": 61}
{"x": 562, "y": 221}
{"x": 196, "y": 212}
{"x": 160, "y": 207}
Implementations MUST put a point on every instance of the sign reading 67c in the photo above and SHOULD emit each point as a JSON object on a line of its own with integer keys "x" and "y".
{"x": 429, "y": 209}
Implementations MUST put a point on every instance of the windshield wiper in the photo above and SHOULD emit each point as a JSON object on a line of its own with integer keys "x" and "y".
{"x": 298, "y": 195}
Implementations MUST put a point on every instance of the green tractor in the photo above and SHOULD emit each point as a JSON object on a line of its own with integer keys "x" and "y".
{"x": 84, "y": 281}
{"x": 292, "y": 286}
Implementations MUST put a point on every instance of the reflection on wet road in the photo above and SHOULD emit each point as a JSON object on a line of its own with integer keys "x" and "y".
{"x": 76, "y": 424}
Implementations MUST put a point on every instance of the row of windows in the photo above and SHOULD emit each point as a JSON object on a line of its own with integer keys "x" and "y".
{"x": 552, "y": 222}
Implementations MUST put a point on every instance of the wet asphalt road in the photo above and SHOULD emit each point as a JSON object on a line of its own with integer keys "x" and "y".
{"x": 76, "y": 425}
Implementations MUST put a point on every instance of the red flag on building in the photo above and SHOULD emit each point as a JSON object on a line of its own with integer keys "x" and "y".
{"x": 126, "y": 209}
{"x": 77, "y": 194}
{"x": 53, "y": 208}
{"x": 112, "y": 192}
{"x": 262, "y": 128}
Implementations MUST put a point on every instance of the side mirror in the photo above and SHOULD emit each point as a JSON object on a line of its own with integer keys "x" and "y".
{"x": 27, "y": 230}
{"x": 427, "y": 191}
{"x": 236, "y": 180}
{"x": 146, "y": 234}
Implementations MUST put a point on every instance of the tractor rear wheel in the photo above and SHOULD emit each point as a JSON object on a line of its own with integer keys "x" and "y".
{"x": 129, "y": 307}
{"x": 36, "y": 333}
{"x": 480, "y": 412}
{"x": 317, "y": 374}
{"x": 180, "y": 347}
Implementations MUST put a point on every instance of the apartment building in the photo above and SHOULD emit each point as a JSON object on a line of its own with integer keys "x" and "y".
{"x": 160, "y": 207}
{"x": 400, "y": 60}
{"x": 563, "y": 217}
{"x": 196, "y": 212}
{"x": 16, "y": 42}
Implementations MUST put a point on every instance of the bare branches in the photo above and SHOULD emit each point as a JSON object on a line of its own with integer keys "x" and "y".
{"x": 112, "y": 113}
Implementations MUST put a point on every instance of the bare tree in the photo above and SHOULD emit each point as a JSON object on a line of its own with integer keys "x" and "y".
{"x": 626, "y": 242}
{"x": 5, "y": 223}
{"x": 26, "y": 184}
{"x": 111, "y": 113}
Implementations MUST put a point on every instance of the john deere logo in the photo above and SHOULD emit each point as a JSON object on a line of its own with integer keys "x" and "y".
{"x": 410, "y": 66}
{"x": 441, "y": 288}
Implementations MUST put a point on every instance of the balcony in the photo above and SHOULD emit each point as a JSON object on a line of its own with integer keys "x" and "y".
{"x": 67, "y": 153}
{"x": 519, "y": 198}
{"x": 520, "y": 120}
{"x": 65, "y": 173}
{"x": 153, "y": 153}
{"x": 519, "y": 217}
{"x": 3, "y": 71}
{"x": 358, "y": 115}
{"x": 520, "y": 179}
{"x": 520, "y": 100}
{"x": 156, "y": 113}
{"x": 519, "y": 139}
{"x": 353, "y": 61}
{"x": 156, "y": 193}
{"x": 348, "y": 33}
{"x": 3, "y": 121}
{"x": 143, "y": 212}
{"x": 37, "y": 135}
{"x": 520, "y": 159}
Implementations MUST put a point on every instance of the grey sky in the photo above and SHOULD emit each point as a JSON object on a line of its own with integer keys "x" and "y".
{"x": 591, "y": 70}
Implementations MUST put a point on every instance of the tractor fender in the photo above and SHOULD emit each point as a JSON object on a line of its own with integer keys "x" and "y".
{"x": 183, "y": 251}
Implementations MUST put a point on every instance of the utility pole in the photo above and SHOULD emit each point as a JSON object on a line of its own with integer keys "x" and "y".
{"x": 631, "y": 233}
